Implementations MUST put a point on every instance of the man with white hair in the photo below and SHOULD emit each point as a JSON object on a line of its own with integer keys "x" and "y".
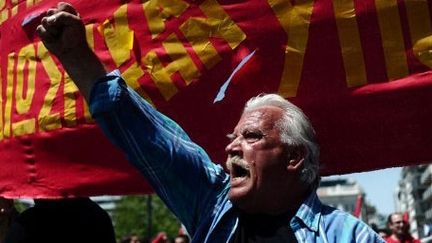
{"x": 269, "y": 194}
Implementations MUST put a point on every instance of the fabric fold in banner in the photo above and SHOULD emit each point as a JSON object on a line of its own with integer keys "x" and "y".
{"x": 360, "y": 71}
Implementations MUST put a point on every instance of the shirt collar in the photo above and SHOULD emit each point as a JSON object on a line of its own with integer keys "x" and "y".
{"x": 309, "y": 213}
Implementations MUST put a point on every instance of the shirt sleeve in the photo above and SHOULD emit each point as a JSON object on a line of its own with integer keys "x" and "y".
{"x": 355, "y": 230}
{"x": 179, "y": 170}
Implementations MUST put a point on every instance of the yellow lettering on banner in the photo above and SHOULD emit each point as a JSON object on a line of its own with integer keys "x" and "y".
{"x": 181, "y": 63}
{"x": 69, "y": 94}
{"x": 131, "y": 76}
{"x": 423, "y": 50}
{"x": 158, "y": 11}
{"x": 218, "y": 24}
{"x": 160, "y": 75}
{"x": 24, "y": 98}
{"x": 24, "y": 127}
{"x": 393, "y": 42}
{"x": 14, "y": 9}
{"x": 295, "y": 21}
{"x": 1, "y": 107}
{"x": 90, "y": 35}
{"x": 9, "y": 95}
{"x": 222, "y": 23}
{"x": 2, "y": 4}
{"x": 197, "y": 31}
{"x": 4, "y": 15}
{"x": 48, "y": 121}
{"x": 29, "y": 3}
{"x": 349, "y": 37}
{"x": 420, "y": 29}
{"x": 118, "y": 36}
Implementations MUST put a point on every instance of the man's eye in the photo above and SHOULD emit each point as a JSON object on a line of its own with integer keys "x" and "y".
{"x": 252, "y": 136}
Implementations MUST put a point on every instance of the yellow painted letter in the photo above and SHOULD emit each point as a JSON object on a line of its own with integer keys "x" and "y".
{"x": 295, "y": 21}
{"x": 393, "y": 43}
{"x": 218, "y": 24}
{"x": 9, "y": 95}
{"x": 158, "y": 11}
{"x": 48, "y": 121}
{"x": 181, "y": 63}
{"x": 26, "y": 57}
{"x": 349, "y": 38}
{"x": 24, "y": 98}
{"x": 118, "y": 36}
{"x": 420, "y": 30}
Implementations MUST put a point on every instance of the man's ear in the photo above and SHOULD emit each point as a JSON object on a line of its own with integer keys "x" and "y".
{"x": 296, "y": 158}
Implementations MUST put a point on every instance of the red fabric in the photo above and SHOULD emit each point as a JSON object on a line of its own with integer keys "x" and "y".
{"x": 382, "y": 123}
{"x": 392, "y": 240}
{"x": 161, "y": 237}
{"x": 358, "y": 206}
{"x": 405, "y": 216}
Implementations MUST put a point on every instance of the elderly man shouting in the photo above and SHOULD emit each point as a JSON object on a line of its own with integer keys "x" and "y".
{"x": 269, "y": 194}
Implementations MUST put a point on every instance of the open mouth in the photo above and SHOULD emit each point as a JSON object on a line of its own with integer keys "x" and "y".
{"x": 238, "y": 171}
{"x": 238, "y": 167}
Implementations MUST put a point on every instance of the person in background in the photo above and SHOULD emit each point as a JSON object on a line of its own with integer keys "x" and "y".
{"x": 64, "y": 220}
{"x": 133, "y": 238}
{"x": 269, "y": 194}
{"x": 181, "y": 239}
{"x": 182, "y": 235}
{"x": 399, "y": 230}
{"x": 161, "y": 237}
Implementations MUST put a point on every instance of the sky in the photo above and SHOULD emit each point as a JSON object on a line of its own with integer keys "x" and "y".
{"x": 379, "y": 187}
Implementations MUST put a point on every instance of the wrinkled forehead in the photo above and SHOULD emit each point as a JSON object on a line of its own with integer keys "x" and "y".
{"x": 265, "y": 117}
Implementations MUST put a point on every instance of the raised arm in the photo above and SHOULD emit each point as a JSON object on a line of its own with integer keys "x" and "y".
{"x": 179, "y": 170}
{"x": 63, "y": 33}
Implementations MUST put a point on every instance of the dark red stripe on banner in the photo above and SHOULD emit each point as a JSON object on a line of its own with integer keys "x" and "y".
{"x": 371, "y": 41}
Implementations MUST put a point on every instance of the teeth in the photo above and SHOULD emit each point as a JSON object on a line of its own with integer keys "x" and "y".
{"x": 237, "y": 166}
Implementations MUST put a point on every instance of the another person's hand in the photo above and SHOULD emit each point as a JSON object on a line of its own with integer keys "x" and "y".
{"x": 62, "y": 31}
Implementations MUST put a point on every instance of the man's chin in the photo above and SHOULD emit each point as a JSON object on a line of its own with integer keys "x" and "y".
{"x": 239, "y": 195}
{"x": 244, "y": 202}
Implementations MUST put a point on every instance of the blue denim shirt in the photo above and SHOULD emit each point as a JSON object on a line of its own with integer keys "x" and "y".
{"x": 191, "y": 185}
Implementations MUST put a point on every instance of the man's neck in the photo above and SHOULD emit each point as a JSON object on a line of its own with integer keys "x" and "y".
{"x": 290, "y": 204}
{"x": 267, "y": 216}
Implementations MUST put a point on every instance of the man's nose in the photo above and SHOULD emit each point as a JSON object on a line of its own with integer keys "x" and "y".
{"x": 234, "y": 146}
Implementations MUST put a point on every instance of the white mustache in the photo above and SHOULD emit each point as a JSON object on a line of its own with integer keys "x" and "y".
{"x": 237, "y": 160}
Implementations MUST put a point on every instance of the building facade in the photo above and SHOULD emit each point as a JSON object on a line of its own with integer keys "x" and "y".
{"x": 414, "y": 197}
{"x": 347, "y": 195}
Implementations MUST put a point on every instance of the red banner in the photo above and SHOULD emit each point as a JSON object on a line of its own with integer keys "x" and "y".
{"x": 360, "y": 69}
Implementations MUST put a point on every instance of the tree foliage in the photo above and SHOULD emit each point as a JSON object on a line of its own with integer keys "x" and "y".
{"x": 131, "y": 215}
